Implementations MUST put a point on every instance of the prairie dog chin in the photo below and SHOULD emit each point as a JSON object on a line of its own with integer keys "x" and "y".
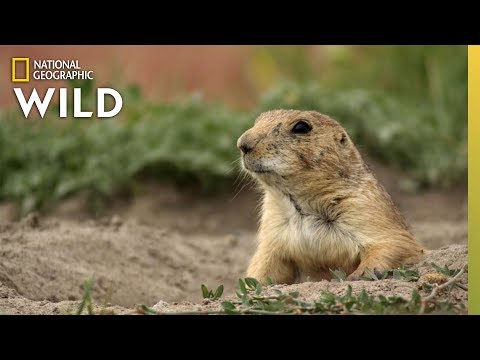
{"x": 322, "y": 208}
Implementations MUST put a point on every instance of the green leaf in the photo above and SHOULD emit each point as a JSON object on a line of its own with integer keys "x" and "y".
{"x": 363, "y": 297}
{"x": 251, "y": 283}
{"x": 146, "y": 310}
{"x": 349, "y": 291}
{"x": 397, "y": 275}
{"x": 416, "y": 298}
{"x": 328, "y": 297}
{"x": 405, "y": 274}
{"x": 218, "y": 292}
{"x": 382, "y": 298}
{"x": 241, "y": 285}
{"x": 229, "y": 307}
{"x": 294, "y": 294}
{"x": 275, "y": 305}
{"x": 258, "y": 289}
{"x": 445, "y": 270}
{"x": 437, "y": 268}
{"x": 385, "y": 275}
{"x": 427, "y": 286}
{"x": 268, "y": 281}
{"x": 370, "y": 274}
{"x": 205, "y": 292}
{"x": 338, "y": 275}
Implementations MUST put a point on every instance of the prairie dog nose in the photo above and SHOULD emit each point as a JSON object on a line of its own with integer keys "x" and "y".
{"x": 244, "y": 145}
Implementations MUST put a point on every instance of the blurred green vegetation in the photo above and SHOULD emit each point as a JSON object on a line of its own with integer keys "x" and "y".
{"x": 405, "y": 105}
{"x": 48, "y": 159}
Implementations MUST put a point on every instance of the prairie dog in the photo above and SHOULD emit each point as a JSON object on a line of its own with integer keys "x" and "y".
{"x": 322, "y": 207}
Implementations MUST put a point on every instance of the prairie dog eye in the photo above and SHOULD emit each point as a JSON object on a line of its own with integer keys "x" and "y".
{"x": 301, "y": 127}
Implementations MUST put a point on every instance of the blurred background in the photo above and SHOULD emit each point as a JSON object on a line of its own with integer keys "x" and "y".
{"x": 185, "y": 106}
{"x": 151, "y": 203}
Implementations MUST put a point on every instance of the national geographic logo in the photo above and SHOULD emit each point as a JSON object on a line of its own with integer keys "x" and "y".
{"x": 48, "y": 70}
{"x": 59, "y": 70}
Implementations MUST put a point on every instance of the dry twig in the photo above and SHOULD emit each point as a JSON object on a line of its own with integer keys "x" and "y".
{"x": 437, "y": 288}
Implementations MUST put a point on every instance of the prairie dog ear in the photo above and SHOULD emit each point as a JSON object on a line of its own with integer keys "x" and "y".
{"x": 341, "y": 137}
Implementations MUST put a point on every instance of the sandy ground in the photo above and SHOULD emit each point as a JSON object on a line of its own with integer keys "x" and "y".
{"x": 159, "y": 246}
{"x": 453, "y": 256}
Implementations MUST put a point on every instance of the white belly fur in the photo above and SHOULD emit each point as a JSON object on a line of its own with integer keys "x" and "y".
{"x": 313, "y": 246}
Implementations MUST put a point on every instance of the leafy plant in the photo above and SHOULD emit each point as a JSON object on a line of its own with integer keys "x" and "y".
{"x": 401, "y": 273}
{"x": 405, "y": 274}
{"x": 370, "y": 275}
{"x": 349, "y": 303}
{"x": 210, "y": 294}
{"x": 445, "y": 270}
{"x": 338, "y": 275}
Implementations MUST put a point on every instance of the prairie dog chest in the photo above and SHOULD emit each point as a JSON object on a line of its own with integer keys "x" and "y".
{"x": 311, "y": 241}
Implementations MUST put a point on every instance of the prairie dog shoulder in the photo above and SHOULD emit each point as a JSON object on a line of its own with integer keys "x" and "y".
{"x": 322, "y": 207}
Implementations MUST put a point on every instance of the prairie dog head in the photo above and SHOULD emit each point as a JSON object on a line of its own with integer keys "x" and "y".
{"x": 292, "y": 148}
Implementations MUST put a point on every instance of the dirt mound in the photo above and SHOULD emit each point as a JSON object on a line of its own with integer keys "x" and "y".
{"x": 130, "y": 263}
{"x": 164, "y": 242}
{"x": 11, "y": 303}
{"x": 454, "y": 256}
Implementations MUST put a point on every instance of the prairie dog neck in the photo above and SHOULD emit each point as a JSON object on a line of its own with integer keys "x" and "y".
{"x": 318, "y": 197}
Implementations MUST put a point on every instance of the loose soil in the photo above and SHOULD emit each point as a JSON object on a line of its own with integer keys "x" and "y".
{"x": 160, "y": 245}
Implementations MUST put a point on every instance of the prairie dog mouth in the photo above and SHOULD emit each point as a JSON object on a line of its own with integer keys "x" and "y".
{"x": 255, "y": 167}
{"x": 262, "y": 171}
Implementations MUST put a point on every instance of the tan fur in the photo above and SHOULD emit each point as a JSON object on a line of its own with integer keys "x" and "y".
{"x": 322, "y": 207}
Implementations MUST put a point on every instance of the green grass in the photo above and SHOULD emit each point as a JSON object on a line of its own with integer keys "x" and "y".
{"x": 86, "y": 302}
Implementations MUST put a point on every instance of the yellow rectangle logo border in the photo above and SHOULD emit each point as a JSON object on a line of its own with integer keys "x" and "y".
{"x": 27, "y": 69}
